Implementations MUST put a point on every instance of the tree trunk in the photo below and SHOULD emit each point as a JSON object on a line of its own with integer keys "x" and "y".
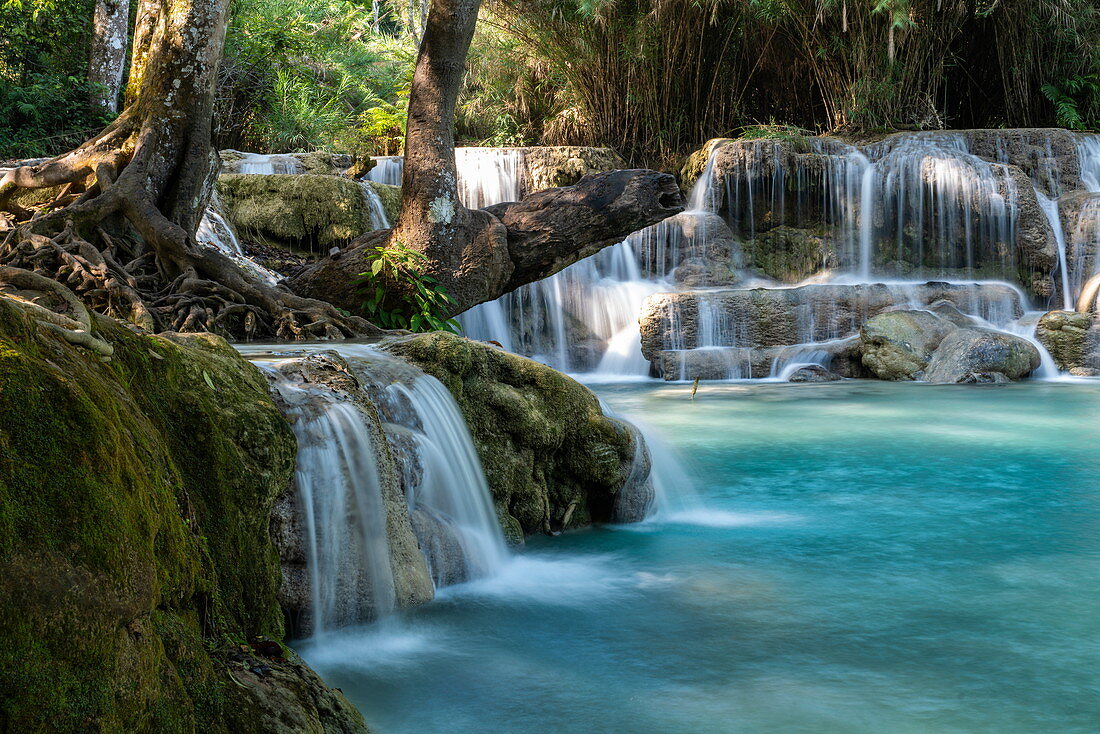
{"x": 545, "y": 232}
{"x": 433, "y": 220}
{"x": 108, "y": 56}
{"x": 153, "y": 167}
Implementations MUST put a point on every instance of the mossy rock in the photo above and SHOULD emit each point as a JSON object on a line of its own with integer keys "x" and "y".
{"x": 789, "y": 254}
{"x": 135, "y": 498}
{"x": 553, "y": 460}
{"x": 391, "y": 199}
{"x": 305, "y": 212}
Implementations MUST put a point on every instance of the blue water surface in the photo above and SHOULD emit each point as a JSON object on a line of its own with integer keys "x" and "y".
{"x": 864, "y": 557}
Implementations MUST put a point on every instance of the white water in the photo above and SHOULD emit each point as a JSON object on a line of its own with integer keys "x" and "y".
{"x": 453, "y": 488}
{"x": 344, "y": 519}
{"x": 267, "y": 164}
{"x": 918, "y": 198}
{"x": 488, "y": 176}
{"x": 446, "y": 491}
{"x": 387, "y": 170}
{"x": 378, "y": 218}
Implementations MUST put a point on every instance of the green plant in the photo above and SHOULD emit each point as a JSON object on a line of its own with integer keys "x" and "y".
{"x": 399, "y": 295}
{"x": 1070, "y": 95}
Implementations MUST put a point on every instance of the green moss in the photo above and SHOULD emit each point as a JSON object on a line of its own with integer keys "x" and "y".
{"x": 542, "y": 438}
{"x": 134, "y": 503}
{"x": 789, "y": 254}
{"x": 302, "y": 211}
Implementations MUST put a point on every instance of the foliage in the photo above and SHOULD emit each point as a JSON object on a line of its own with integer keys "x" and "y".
{"x": 307, "y": 74}
{"x": 1074, "y": 98}
{"x": 45, "y": 99}
{"x": 422, "y": 304}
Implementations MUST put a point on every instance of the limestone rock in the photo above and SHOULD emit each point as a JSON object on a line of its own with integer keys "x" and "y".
{"x": 980, "y": 355}
{"x": 548, "y": 167}
{"x": 135, "y": 499}
{"x": 813, "y": 373}
{"x": 305, "y": 212}
{"x": 898, "y": 345}
{"x": 1071, "y": 338}
{"x": 553, "y": 460}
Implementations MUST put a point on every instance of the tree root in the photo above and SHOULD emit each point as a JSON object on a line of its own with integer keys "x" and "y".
{"x": 167, "y": 282}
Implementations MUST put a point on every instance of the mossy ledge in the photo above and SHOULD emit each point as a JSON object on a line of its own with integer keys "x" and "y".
{"x": 135, "y": 553}
{"x": 552, "y": 459}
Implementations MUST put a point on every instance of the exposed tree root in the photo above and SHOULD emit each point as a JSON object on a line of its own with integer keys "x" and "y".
{"x": 160, "y": 280}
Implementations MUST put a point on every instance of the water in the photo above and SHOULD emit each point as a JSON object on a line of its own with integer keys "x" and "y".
{"x": 343, "y": 516}
{"x": 908, "y": 210}
{"x": 377, "y": 212}
{"x": 891, "y": 558}
{"x": 388, "y": 170}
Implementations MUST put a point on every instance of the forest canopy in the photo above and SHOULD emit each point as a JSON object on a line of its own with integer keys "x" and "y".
{"x": 652, "y": 78}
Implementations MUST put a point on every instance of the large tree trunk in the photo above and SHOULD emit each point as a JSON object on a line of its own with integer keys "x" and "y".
{"x": 433, "y": 219}
{"x": 153, "y": 168}
{"x": 108, "y": 56}
{"x": 545, "y": 232}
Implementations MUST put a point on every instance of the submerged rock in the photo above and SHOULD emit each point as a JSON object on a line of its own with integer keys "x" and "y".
{"x": 813, "y": 373}
{"x": 982, "y": 355}
{"x": 135, "y": 500}
{"x": 553, "y": 460}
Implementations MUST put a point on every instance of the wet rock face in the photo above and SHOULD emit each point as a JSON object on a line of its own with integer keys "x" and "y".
{"x": 981, "y": 355}
{"x": 760, "y": 318}
{"x": 919, "y": 345}
{"x": 552, "y": 459}
{"x": 899, "y": 345}
{"x": 1072, "y": 338}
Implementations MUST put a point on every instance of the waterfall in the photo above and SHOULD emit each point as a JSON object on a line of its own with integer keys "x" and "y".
{"x": 1050, "y": 210}
{"x": 378, "y": 218}
{"x": 447, "y": 496}
{"x": 488, "y": 176}
{"x": 1088, "y": 161}
{"x": 215, "y": 230}
{"x": 267, "y": 164}
{"x": 388, "y": 170}
{"x": 912, "y": 219}
{"x": 344, "y": 521}
{"x": 452, "y": 508}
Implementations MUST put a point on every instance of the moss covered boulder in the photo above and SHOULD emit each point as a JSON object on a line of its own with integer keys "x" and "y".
{"x": 135, "y": 555}
{"x": 552, "y": 458}
{"x": 898, "y": 345}
{"x": 1072, "y": 339}
{"x": 306, "y": 212}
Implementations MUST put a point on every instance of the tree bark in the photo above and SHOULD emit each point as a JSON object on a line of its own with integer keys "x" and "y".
{"x": 153, "y": 167}
{"x": 433, "y": 220}
{"x": 545, "y": 232}
{"x": 108, "y": 56}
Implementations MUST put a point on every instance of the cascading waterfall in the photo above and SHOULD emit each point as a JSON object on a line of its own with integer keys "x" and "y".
{"x": 215, "y": 231}
{"x": 266, "y": 164}
{"x": 344, "y": 520}
{"x": 911, "y": 209}
{"x": 488, "y": 176}
{"x": 378, "y": 218}
{"x": 388, "y": 170}
{"x": 447, "y": 495}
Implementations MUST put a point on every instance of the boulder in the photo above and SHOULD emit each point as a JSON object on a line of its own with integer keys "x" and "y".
{"x": 552, "y": 458}
{"x": 982, "y": 355}
{"x": 135, "y": 553}
{"x": 1072, "y": 338}
{"x": 305, "y": 212}
{"x": 898, "y": 345}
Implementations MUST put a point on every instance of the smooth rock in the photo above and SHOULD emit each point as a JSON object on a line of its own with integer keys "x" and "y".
{"x": 898, "y": 345}
{"x": 970, "y": 355}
